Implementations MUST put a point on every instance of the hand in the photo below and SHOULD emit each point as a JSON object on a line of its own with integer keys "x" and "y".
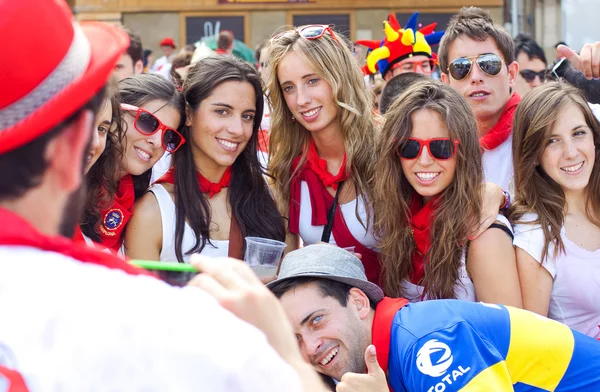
{"x": 493, "y": 199}
{"x": 373, "y": 381}
{"x": 239, "y": 290}
{"x": 587, "y": 61}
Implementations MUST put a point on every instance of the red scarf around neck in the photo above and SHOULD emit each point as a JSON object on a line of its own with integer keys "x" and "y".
{"x": 420, "y": 222}
{"x": 501, "y": 131}
{"x": 205, "y": 185}
{"x": 16, "y": 231}
{"x": 319, "y": 166}
{"x": 115, "y": 218}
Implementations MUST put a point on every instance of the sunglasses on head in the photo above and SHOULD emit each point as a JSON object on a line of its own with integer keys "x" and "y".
{"x": 439, "y": 148}
{"x": 147, "y": 124}
{"x": 489, "y": 63}
{"x": 530, "y": 75}
{"x": 309, "y": 32}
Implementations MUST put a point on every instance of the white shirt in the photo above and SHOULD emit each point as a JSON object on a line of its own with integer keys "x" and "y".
{"x": 72, "y": 326}
{"x": 575, "y": 297}
{"x": 464, "y": 288}
{"x": 159, "y": 63}
{"x": 167, "y": 215}
{"x": 161, "y": 167}
{"x": 312, "y": 234}
{"x": 498, "y": 167}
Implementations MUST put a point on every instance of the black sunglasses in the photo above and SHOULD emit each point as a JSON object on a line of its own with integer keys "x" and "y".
{"x": 489, "y": 63}
{"x": 439, "y": 148}
{"x": 530, "y": 75}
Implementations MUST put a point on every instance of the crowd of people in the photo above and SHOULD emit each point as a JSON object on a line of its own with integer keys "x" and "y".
{"x": 442, "y": 234}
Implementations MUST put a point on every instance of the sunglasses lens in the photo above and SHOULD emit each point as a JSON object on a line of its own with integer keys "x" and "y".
{"x": 460, "y": 68}
{"x": 312, "y": 32}
{"x": 490, "y": 64}
{"x": 441, "y": 149}
{"x": 146, "y": 123}
{"x": 411, "y": 149}
{"x": 171, "y": 140}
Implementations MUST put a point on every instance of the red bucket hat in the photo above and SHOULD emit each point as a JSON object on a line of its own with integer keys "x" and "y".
{"x": 168, "y": 42}
{"x": 73, "y": 62}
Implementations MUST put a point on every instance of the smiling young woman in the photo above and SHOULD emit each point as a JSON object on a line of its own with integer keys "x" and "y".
{"x": 215, "y": 194}
{"x": 556, "y": 153}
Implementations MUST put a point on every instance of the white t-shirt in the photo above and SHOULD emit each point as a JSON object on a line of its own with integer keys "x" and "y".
{"x": 498, "y": 166}
{"x": 575, "y": 298}
{"x": 167, "y": 215}
{"x": 464, "y": 287}
{"x": 72, "y": 326}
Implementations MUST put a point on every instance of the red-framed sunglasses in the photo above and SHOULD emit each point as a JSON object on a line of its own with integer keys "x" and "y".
{"x": 148, "y": 124}
{"x": 439, "y": 148}
{"x": 309, "y": 32}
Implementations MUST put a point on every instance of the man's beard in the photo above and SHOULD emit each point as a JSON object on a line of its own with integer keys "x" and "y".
{"x": 72, "y": 211}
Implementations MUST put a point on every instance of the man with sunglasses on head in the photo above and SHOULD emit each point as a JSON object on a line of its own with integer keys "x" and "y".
{"x": 402, "y": 50}
{"x": 532, "y": 64}
{"x": 477, "y": 58}
{"x": 78, "y": 319}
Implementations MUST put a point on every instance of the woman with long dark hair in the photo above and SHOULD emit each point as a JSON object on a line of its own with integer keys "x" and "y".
{"x": 151, "y": 110}
{"x": 215, "y": 193}
{"x": 427, "y": 203}
{"x": 556, "y": 155}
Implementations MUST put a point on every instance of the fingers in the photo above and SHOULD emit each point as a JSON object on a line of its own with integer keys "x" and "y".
{"x": 483, "y": 226}
{"x": 268, "y": 279}
{"x": 585, "y": 57}
{"x": 596, "y": 60}
{"x": 570, "y": 55}
{"x": 358, "y": 255}
{"x": 373, "y": 367}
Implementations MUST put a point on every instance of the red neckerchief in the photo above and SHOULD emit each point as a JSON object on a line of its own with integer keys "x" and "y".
{"x": 420, "y": 222}
{"x": 205, "y": 185}
{"x": 319, "y": 166}
{"x": 263, "y": 141}
{"x": 382, "y": 328}
{"x": 321, "y": 201}
{"x": 501, "y": 131}
{"x": 16, "y": 383}
{"x": 78, "y": 235}
{"x": 16, "y": 231}
{"x": 115, "y": 218}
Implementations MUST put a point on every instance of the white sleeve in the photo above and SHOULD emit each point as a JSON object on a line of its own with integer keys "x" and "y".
{"x": 530, "y": 238}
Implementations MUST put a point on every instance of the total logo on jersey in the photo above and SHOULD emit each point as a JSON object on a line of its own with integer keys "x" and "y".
{"x": 434, "y": 359}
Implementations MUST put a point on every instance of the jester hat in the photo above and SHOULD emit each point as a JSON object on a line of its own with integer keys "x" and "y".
{"x": 399, "y": 44}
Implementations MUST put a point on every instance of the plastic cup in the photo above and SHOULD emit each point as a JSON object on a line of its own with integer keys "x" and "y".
{"x": 175, "y": 274}
{"x": 263, "y": 255}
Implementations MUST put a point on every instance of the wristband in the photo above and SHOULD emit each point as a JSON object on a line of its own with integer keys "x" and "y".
{"x": 506, "y": 200}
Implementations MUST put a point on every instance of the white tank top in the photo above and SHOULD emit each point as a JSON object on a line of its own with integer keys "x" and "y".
{"x": 167, "y": 214}
{"x": 312, "y": 234}
{"x": 464, "y": 287}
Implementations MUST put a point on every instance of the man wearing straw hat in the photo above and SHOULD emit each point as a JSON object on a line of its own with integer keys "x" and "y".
{"x": 72, "y": 318}
{"x": 349, "y": 331}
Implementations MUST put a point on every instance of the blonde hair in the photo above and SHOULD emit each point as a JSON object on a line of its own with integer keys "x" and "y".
{"x": 459, "y": 208}
{"x": 535, "y": 191}
{"x": 333, "y": 61}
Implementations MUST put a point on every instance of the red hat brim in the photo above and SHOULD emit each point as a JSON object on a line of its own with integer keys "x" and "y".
{"x": 107, "y": 44}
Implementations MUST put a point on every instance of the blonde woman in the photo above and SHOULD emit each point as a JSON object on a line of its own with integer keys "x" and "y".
{"x": 556, "y": 153}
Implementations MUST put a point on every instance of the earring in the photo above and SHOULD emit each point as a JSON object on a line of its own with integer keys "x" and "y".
{"x": 293, "y": 119}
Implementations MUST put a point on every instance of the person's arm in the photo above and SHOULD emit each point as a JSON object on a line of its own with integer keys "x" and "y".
{"x": 536, "y": 283}
{"x": 493, "y": 201}
{"x": 492, "y": 267}
{"x": 143, "y": 235}
{"x": 238, "y": 290}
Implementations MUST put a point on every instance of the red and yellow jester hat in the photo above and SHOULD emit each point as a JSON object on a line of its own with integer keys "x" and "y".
{"x": 400, "y": 43}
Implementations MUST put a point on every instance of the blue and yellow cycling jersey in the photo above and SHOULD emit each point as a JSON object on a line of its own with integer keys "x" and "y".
{"x": 448, "y": 345}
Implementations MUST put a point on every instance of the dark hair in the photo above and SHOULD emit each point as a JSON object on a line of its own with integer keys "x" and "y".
{"x": 395, "y": 87}
{"x": 527, "y": 45}
{"x": 478, "y": 25}
{"x": 147, "y": 53}
{"x": 181, "y": 60}
{"x": 249, "y": 197}
{"x": 258, "y": 50}
{"x": 22, "y": 168}
{"x": 135, "y": 50}
{"x": 225, "y": 40}
{"x": 138, "y": 90}
{"x": 102, "y": 178}
{"x": 328, "y": 288}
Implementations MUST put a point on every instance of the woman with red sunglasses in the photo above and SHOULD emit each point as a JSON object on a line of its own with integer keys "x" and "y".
{"x": 430, "y": 161}
{"x": 151, "y": 110}
{"x": 215, "y": 194}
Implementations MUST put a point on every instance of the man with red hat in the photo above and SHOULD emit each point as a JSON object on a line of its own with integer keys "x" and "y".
{"x": 168, "y": 47}
{"x": 73, "y": 318}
